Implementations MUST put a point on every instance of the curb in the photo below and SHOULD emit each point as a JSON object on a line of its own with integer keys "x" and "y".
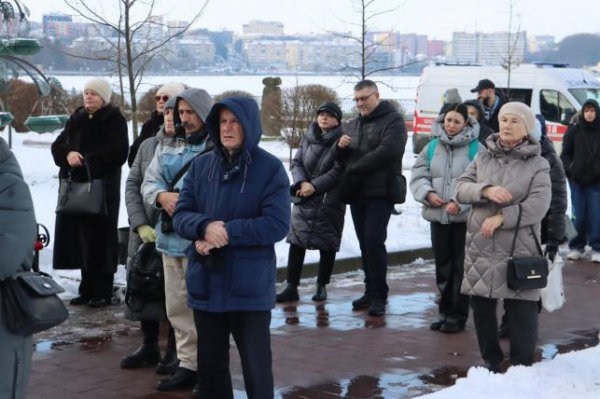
{"x": 355, "y": 263}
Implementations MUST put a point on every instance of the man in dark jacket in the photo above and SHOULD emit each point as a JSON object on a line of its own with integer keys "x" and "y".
{"x": 234, "y": 205}
{"x": 581, "y": 159}
{"x": 372, "y": 155}
{"x": 491, "y": 100}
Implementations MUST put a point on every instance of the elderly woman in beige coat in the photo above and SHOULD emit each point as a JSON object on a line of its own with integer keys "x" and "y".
{"x": 511, "y": 174}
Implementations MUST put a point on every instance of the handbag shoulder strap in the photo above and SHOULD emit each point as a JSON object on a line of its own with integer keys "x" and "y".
{"x": 181, "y": 172}
{"x": 514, "y": 241}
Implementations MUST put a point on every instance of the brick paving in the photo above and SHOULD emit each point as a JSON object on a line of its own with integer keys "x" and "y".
{"x": 324, "y": 350}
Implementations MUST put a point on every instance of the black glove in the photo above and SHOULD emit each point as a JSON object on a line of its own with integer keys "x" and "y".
{"x": 550, "y": 251}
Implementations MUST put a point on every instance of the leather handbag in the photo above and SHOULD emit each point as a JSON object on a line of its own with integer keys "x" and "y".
{"x": 81, "y": 198}
{"x": 30, "y": 303}
{"x": 526, "y": 273}
{"x": 146, "y": 278}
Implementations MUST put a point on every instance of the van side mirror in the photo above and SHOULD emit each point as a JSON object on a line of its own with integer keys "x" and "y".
{"x": 566, "y": 116}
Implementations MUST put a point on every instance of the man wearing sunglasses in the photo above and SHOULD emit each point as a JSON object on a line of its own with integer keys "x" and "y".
{"x": 152, "y": 125}
{"x": 372, "y": 153}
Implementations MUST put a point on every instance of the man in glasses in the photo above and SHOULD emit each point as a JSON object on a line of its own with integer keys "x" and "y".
{"x": 372, "y": 183}
{"x": 160, "y": 189}
{"x": 152, "y": 125}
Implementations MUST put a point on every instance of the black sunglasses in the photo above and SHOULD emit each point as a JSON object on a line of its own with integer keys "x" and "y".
{"x": 164, "y": 98}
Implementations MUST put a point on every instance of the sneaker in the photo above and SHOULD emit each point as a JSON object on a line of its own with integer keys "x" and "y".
{"x": 289, "y": 294}
{"x": 182, "y": 379}
{"x": 361, "y": 303}
{"x": 596, "y": 257}
{"x": 575, "y": 254}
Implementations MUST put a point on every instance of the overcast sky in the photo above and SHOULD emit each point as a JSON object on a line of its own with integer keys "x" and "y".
{"x": 435, "y": 18}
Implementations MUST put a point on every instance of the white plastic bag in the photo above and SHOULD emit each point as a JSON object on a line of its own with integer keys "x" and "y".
{"x": 553, "y": 295}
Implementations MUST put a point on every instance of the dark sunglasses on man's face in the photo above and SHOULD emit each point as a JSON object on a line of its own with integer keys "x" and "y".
{"x": 164, "y": 98}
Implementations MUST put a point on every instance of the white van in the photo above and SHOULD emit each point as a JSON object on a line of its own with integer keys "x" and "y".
{"x": 551, "y": 90}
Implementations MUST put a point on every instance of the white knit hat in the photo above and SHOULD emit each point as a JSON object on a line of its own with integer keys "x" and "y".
{"x": 100, "y": 87}
{"x": 522, "y": 111}
{"x": 171, "y": 89}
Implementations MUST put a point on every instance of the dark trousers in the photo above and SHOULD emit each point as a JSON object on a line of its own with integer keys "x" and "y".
{"x": 522, "y": 317}
{"x": 586, "y": 215}
{"x": 296, "y": 261}
{"x": 151, "y": 332}
{"x": 448, "y": 242}
{"x": 251, "y": 333}
{"x": 96, "y": 285}
{"x": 371, "y": 217}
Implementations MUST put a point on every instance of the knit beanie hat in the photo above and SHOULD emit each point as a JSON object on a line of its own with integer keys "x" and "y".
{"x": 331, "y": 108}
{"x": 171, "y": 103}
{"x": 170, "y": 89}
{"x": 522, "y": 111}
{"x": 451, "y": 96}
{"x": 101, "y": 87}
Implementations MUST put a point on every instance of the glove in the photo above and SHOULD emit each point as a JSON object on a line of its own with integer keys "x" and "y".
{"x": 550, "y": 251}
{"x": 147, "y": 233}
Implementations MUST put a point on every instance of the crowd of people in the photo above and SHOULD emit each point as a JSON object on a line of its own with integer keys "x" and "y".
{"x": 209, "y": 203}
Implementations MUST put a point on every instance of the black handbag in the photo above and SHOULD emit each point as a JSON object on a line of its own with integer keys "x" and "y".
{"x": 81, "y": 198}
{"x": 526, "y": 273}
{"x": 30, "y": 303}
{"x": 396, "y": 187}
{"x": 146, "y": 278}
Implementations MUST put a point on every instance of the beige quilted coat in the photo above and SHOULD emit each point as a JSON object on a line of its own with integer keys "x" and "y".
{"x": 527, "y": 176}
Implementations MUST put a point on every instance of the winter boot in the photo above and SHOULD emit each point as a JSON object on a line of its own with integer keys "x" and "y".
{"x": 289, "y": 294}
{"x": 320, "y": 294}
{"x": 362, "y": 303}
{"x": 144, "y": 356}
{"x": 169, "y": 363}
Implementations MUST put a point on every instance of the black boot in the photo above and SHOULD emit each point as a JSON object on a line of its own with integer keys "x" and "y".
{"x": 362, "y": 303}
{"x": 79, "y": 300}
{"x": 182, "y": 379}
{"x": 438, "y": 322}
{"x": 144, "y": 356}
{"x": 320, "y": 294}
{"x": 289, "y": 294}
{"x": 169, "y": 363}
{"x": 377, "y": 308}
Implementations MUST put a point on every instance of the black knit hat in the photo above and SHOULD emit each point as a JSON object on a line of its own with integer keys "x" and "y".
{"x": 331, "y": 108}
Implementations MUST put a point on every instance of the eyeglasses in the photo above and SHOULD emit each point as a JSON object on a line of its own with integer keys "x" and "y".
{"x": 363, "y": 98}
{"x": 164, "y": 98}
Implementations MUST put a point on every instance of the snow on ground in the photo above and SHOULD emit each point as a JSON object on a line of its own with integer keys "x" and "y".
{"x": 405, "y": 231}
{"x": 571, "y": 375}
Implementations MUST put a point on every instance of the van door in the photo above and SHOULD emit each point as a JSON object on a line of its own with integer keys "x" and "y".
{"x": 556, "y": 108}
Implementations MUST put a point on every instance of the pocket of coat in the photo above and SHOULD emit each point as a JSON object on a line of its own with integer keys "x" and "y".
{"x": 251, "y": 272}
{"x": 196, "y": 279}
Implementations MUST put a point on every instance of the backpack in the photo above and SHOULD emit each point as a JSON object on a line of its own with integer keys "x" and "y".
{"x": 146, "y": 278}
{"x": 473, "y": 148}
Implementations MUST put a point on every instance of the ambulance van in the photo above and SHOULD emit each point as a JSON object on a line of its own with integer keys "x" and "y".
{"x": 551, "y": 90}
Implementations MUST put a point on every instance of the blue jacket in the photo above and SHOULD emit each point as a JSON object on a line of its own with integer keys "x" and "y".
{"x": 252, "y": 197}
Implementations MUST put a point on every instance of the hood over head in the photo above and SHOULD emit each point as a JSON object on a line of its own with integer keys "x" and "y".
{"x": 247, "y": 113}
{"x": 477, "y": 104}
{"x": 199, "y": 100}
{"x": 596, "y": 122}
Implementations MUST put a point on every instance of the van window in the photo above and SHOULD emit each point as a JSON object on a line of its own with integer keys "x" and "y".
{"x": 582, "y": 95}
{"x": 520, "y": 95}
{"x": 555, "y": 107}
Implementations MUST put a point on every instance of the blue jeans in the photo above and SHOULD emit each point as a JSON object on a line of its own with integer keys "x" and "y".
{"x": 586, "y": 215}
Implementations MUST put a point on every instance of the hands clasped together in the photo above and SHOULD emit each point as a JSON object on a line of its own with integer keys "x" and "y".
{"x": 436, "y": 201}
{"x": 499, "y": 195}
{"x": 215, "y": 236}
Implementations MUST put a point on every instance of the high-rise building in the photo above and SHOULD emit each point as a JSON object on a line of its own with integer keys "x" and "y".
{"x": 262, "y": 28}
{"x": 489, "y": 48}
{"x": 59, "y": 26}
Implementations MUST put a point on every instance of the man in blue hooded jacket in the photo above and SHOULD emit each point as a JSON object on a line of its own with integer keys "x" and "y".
{"x": 234, "y": 205}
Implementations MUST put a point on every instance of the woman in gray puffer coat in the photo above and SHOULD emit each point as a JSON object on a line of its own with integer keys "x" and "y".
{"x": 318, "y": 221}
{"x": 141, "y": 219}
{"x": 17, "y": 235}
{"x": 511, "y": 175}
{"x": 434, "y": 174}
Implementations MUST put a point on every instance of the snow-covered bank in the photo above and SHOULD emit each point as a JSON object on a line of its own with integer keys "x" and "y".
{"x": 572, "y": 375}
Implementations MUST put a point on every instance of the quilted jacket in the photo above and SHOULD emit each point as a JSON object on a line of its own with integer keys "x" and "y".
{"x": 526, "y": 175}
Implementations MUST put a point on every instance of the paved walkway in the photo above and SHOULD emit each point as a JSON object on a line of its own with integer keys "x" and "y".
{"x": 319, "y": 350}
